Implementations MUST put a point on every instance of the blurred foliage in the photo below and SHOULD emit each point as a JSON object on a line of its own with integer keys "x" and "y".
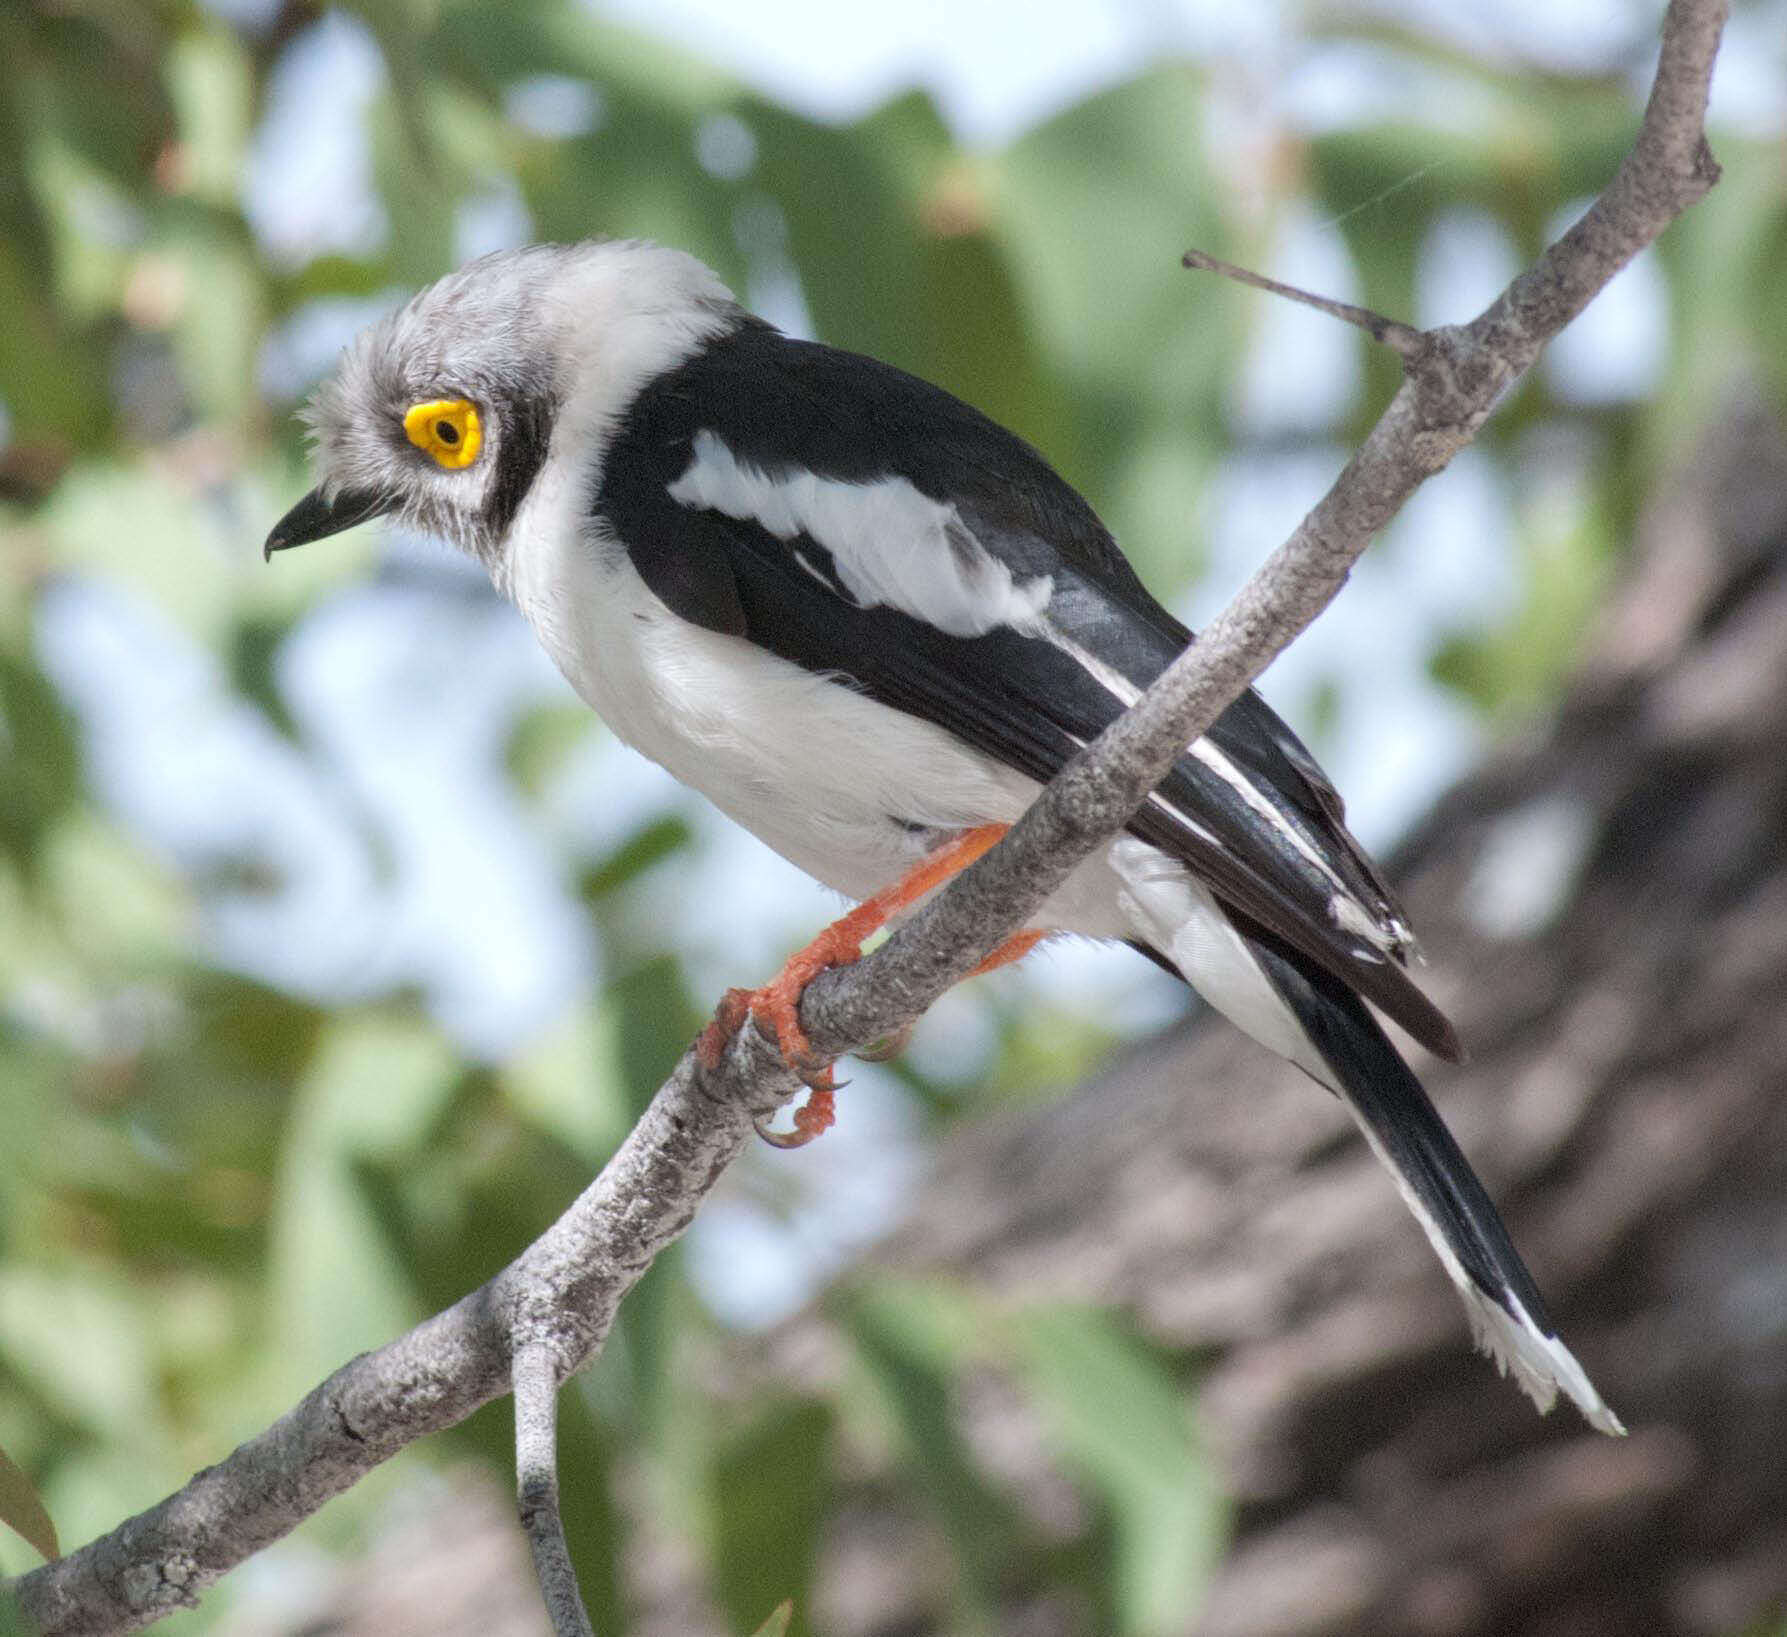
{"x": 219, "y": 1177}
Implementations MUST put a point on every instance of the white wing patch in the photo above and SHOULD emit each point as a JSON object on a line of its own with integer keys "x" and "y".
{"x": 893, "y": 546}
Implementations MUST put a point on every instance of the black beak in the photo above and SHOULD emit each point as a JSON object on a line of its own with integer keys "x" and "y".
{"x": 315, "y": 518}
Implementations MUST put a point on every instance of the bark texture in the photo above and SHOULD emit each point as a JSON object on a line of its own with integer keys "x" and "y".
{"x": 1606, "y": 909}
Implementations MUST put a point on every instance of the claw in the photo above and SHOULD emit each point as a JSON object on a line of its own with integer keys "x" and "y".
{"x": 777, "y": 1004}
{"x": 813, "y": 1118}
{"x": 777, "y": 1007}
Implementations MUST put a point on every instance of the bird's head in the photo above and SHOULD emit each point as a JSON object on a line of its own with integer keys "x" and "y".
{"x": 443, "y": 413}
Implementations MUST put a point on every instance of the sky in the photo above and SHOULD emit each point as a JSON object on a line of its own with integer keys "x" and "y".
{"x": 998, "y": 66}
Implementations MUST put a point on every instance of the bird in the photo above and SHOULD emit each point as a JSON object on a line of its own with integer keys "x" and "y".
{"x": 869, "y": 623}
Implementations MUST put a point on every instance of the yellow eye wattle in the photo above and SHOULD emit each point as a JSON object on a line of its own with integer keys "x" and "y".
{"x": 446, "y": 430}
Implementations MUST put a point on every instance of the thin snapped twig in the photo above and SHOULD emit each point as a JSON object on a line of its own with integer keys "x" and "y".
{"x": 1399, "y": 337}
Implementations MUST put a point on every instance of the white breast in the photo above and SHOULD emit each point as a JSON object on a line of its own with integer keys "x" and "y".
{"x": 826, "y": 776}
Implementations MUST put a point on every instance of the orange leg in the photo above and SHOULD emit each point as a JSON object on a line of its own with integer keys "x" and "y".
{"x": 1015, "y": 948}
{"x": 777, "y": 1003}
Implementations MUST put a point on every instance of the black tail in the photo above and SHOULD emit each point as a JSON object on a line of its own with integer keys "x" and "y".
{"x": 1506, "y": 1310}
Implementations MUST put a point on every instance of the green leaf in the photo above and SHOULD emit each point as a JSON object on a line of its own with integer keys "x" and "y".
{"x": 12, "y": 1621}
{"x": 116, "y": 903}
{"x": 1093, "y": 211}
{"x": 1120, "y": 1420}
{"x": 772, "y": 1489}
{"x": 211, "y": 85}
{"x": 777, "y": 1623}
{"x": 661, "y": 1020}
{"x": 568, "y": 1081}
{"x": 51, "y": 376}
{"x": 648, "y": 846}
{"x": 253, "y": 657}
{"x": 127, "y": 524}
{"x": 23, "y": 1512}
{"x": 220, "y": 320}
{"x": 98, "y": 83}
{"x": 649, "y": 1336}
{"x": 1727, "y": 283}
{"x": 635, "y": 174}
{"x": 338, "y": 1284}
{"x": 564, "y": 37}
{"x": 76, "y": 1334}
{"x": 1567, "y": 544}
{"x": 905, "y": 1341}
{"x": 542, "y": 740}
{"x": 43, "y": 779}
{"x": 912, "y": 272}
{"x": 1097, "y": 206}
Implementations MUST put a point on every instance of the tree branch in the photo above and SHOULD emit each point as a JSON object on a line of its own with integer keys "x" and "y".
{"x": 561, "y": 1294}
{"x": 535, "y": 1379}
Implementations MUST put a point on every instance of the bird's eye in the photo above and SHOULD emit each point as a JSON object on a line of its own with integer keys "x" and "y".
{"x": 446, "y": 430}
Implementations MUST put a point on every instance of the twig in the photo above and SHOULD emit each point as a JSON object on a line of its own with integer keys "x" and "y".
{"x": 535, "y": 1378}
{"x": 564, "y": 1289}
{"x": 1399, "y": 337}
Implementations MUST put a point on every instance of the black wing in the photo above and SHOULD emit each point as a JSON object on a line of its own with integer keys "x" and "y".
{"x": 1250, "y": 813}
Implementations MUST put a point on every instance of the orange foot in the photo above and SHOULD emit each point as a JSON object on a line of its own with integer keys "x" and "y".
{"x": 777, "y": 1004}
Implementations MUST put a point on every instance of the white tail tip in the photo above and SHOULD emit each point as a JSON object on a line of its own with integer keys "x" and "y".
{"x": 1540, "y": 1363}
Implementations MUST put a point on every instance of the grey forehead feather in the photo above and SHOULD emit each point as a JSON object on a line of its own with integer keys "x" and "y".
{"x": 468, "y": 329}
